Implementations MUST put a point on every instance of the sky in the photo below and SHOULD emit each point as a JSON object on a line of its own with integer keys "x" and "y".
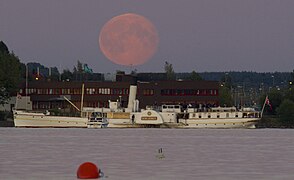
{"x": 194, "y": 35}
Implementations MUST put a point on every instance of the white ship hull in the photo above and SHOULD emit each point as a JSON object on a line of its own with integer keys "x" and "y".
{"x": 219, "y": 123}
{"x": 40, "y": 120}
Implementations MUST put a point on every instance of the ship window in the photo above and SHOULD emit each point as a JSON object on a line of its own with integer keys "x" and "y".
{"x": 236, "y": 115}
{"x": 194, "y": 115}
{"x": 217, "y": 116}
{"x": 199, "y": 116}
{"x": 209, "y": 116}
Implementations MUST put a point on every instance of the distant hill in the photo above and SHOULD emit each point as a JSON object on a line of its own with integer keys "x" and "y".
{"x": 245, "y": 79}
{"x": 249, "y": 79}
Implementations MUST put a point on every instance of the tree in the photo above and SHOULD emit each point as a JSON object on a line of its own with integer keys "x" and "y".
{"x": 169, "y": 70}
{"x": 134, "y": 72}
{"x": 3, "y": 95}
{"x": 292, "y": 76}
{"x": 9, "y": 73}
{"x": 225, "y": 97}
{"x": 54, "y": 73}
{"x": 286, "y": 113}
{"x": 276, "y": 97}
{"x": 67, "y": 75}
{"x": 79, "y": 67}
{"x": 3, "y": 48}
{"x": 290, "y": 94}
{"x": 195, "y": 76}
{"x": 81, "y": 71}
{"x": 227, "y": 80}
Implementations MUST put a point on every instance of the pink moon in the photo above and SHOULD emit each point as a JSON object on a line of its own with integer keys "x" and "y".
{"x": 128, "y": 39}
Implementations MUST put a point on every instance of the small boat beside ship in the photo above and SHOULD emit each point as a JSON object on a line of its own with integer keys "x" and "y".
{"x": 97, "y": 120}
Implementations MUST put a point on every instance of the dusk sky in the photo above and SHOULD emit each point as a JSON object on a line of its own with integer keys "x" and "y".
{"x": 200, "y": 35}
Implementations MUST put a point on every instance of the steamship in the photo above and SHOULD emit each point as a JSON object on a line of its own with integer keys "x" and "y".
{"x": 165, "y": 116}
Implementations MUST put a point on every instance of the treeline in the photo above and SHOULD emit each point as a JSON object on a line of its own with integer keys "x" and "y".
{"x": 10, "y": 73}
{"x": 80, "y": 72}
{"x": 246, "y": 78}
{"x": 279, "y": 111}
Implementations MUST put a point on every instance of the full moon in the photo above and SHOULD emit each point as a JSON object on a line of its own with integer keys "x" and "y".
{"x": 128, "y": 39}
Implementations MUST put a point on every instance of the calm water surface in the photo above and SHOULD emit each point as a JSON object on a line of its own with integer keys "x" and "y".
{"x": 132, "y": 153}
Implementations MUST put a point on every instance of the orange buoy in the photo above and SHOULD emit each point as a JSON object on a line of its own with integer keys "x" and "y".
{"x": 88, "y": 170}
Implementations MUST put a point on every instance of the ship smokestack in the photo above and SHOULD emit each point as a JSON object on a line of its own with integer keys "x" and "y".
{"x": 132, "y": 97}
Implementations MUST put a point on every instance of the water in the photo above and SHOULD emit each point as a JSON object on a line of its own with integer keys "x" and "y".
{"x": 132, "y": 153}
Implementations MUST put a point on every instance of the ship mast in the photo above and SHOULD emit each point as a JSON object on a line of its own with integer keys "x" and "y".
{"x": 82, "y": 98}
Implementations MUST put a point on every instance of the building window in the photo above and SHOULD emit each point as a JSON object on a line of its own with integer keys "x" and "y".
{"x": 90, "y": 91}
{"x": 65, "y": 91}
{"x": 204, "y": 92}
{"x": 148, "y": 92}
{"x": 104, "y": 91}
{"x": 77, "y": 91}
{"x": 211, "y": 92}
{"x": 126, "y": 91}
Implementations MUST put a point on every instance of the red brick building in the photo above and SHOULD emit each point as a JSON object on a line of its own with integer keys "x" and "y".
{"x": 50, "y": 95}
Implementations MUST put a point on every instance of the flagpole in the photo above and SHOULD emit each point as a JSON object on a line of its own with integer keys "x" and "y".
{"x": 27, "y": 74}
{"x": 263, "y": 106}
